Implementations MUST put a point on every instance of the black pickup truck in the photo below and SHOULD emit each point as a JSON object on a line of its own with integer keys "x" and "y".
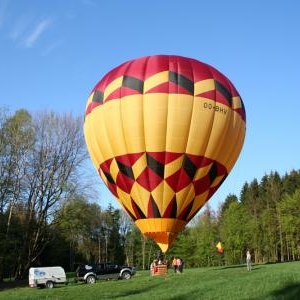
{"x": 89, "y": 273}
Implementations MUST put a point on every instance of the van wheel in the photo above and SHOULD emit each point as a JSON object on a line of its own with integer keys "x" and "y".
{"x": 91, "y": 279}
{"x": 49, "y": 284}
{"x": 126, "y": 275}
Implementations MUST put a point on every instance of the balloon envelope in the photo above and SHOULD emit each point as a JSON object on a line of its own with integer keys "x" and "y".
{"x": 163, "y": 132}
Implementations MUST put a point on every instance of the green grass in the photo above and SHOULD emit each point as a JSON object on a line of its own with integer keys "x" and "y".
{"x": 273, "y": 281}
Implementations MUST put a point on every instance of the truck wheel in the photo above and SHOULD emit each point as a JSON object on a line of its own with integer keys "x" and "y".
{"x": 49, "y": 284}
{"x": 91, "y": 279}
{"x": 126, "y": 275}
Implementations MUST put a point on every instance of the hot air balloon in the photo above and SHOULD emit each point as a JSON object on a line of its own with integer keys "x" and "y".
{"x": 220, "y": 248}
{"x": 163, "y": 132}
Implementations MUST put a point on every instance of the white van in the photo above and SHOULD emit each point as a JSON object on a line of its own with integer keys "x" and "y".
{"x": 47, "y": 277}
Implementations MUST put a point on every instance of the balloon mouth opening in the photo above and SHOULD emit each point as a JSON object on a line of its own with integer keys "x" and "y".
{"x": 162, "y": 230}
{"x": 163, "y": 239}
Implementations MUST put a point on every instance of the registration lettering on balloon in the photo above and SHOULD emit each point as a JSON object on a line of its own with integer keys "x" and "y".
{"x": 215, "y": 107}
{"x": 164, "y": 131}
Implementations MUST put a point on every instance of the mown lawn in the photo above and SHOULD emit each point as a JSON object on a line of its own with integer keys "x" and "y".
{"x": 273, "y": 281}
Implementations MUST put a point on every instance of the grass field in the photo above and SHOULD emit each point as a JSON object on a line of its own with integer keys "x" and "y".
{"x": 272, "y": 281}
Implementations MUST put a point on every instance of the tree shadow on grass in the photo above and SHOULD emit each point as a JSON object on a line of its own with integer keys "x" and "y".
{"x": 137, "y": 290}
{"x": 13, "y": 284}
{"x": 254, "y": 267}
{"x": 290, "y": 291}
{"x": 231, "y": 267}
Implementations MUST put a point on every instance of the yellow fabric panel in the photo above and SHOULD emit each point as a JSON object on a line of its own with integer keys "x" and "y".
{"x": 169, "y": 225}
{"x": 117, "y": 126}
{"x": 160, "y": 224}
{"x": 114, "y": 85}
{"x": 200, "y": 127}
{"x": 164, "y": 231}
{"x": 139, "y": 165}
{"x": 112, "y": 118}
{"x": 165, "y": 246}
{"x": 211, "y": 128}
{"x": 217, "y": 181}
{"x": 163, "y": 239}
{"x": 125, "y": 200}
{"x": 163, "y": 194}
{"x": 96, "y": 134}
{"x": 184, "y": 197}
{"x": 156, "y": 80}
{"x": 131, "y": 108}
{"x": 187, "y": 200}
{"x": 114, "y": 169}
{"x": 239, "y": 135}
{"x": 236, "y": 102}
{"x": 155, "y": 121}
{"x": 145, "y": 225}
{"x": 92, "y": 141}
{"x": 201, "y": 172}
{"x": 204, "y": 86}
{"x": 233, "y": 141}
{"x": 151, "y": 226}
{"x": 199, "y": 201}
{"x": 141, "y": 197}
{"x": 180, "y": 109}
{"x": 173, "y": 166}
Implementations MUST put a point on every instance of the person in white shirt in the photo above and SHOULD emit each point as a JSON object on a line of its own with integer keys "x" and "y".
{"x": 248, "y": 260}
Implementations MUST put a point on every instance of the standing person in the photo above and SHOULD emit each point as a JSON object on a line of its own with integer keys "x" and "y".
{"x": 174, "y": 264}
{"x": 152, "y": 267}
{"x": 248, "y": 260}
{"x": 178, "y": 263}
{"x": 155, "y": 267}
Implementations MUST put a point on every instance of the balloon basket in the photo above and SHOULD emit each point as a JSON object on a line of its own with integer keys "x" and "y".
{"x": 159, "y": 270}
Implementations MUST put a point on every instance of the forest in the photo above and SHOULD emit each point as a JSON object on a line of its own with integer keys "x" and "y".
{"x": 50, "y": 214}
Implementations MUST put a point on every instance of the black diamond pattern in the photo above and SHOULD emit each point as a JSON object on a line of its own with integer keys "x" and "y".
{"x": 155, "y": 166}
{"x": 154, "y": 213}
{"x": 125, "y": 170}
{"x": 213, "y": 173}
{"x": 98, "y": 97}
{"x": 109, "y": 178}
{"x": 133, "y": 83}
{"x": 182, "y": 81}
{"x": 222, "y": 89}
{"x": 189, "y": 167}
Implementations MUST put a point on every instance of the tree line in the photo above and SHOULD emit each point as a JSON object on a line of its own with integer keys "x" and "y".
{"x": 49, "y": 213}
{"x": 264, "y": 219}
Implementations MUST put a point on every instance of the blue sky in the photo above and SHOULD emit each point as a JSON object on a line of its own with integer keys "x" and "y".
{"x": 52, "y": 53}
